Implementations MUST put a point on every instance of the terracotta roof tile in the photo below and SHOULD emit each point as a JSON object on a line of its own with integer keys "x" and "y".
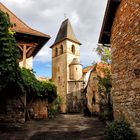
{"x": 21, "y": 27}
{"x": 86, "y": 69}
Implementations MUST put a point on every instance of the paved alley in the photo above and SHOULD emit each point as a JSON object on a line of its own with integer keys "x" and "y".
{"x": 63, "y": 127}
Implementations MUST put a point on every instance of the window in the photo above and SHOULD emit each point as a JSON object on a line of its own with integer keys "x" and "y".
{"x": 61, "y": 49}
{"x": 59, "y": 80}
{"x": 73, "y": 49}
{"x": 56, "y": 52}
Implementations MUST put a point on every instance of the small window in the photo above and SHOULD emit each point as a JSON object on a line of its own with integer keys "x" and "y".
{"x": 59, "y": 80}
{"x": 61, "y": 49}
{"x": 73, "y": 49}
{"x": 56, "y": 52}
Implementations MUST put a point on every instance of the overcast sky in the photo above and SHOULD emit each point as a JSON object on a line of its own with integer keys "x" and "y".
{"x": 86, "y": 17}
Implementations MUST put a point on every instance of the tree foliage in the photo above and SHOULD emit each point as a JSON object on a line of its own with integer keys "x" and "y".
{"x": 36, "y": 88}
{"x": 13, "y": 79}
{"x": 9, "y": 54}
{"x": 104, "y": 88}
{"x": 104, "y": 53}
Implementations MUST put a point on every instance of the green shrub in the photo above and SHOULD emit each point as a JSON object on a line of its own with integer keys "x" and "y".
{"x": 55, "y": 107}
{"x": 119, "y": 130}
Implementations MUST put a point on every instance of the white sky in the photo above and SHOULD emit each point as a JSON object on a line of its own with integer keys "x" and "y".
{"x": 86, "y": 17}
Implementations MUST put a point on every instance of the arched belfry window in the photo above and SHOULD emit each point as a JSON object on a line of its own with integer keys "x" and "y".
{"x": 56, "y": 51}
{"x": 73, "y": 49}
{"x": 61, "y": 49}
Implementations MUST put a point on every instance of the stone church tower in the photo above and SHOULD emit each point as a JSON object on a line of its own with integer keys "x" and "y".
{"x": 66, "y": 67}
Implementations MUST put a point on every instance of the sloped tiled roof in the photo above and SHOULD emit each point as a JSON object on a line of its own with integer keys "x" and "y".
{"x": 66, "y": 32}
{"x": 21, "y": 27}
{"x": 86, "y": 69}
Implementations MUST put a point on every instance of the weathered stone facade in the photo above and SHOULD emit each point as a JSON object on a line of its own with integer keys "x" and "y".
{"x": 12, "y": 109}
{"x": 39, "y": 109}
{"x": 92, "y": 94}
{"x": 125, "y": 45}
{"x": 74, "y": 96}
{"x": 66, "y": 68}
{"x": 92, "y": 89}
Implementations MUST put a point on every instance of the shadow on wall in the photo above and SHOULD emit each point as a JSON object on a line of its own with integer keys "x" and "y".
{"x": 75, "y": 102}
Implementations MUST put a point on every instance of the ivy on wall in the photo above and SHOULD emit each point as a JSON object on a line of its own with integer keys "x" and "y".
{"x": 13, "y": 79}
{"x": 36, "y": 88}
{"x": 9, "y": 54}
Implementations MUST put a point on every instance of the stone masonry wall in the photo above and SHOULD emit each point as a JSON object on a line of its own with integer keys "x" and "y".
{"x": 125, "y": 43}
{"x": 39, "y": 109}
{"x": 12, "y": 109}
{"x": 74, "y": 97}
{"x": 60, "y": 69}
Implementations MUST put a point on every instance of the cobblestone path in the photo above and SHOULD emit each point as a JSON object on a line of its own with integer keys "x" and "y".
{"x": 63, "y": 127}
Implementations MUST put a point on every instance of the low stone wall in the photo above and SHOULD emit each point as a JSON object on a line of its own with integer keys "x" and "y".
{"x": 12, "y": 110}
{"x": 125, "y": 44}
{"x": 39, "y": 109}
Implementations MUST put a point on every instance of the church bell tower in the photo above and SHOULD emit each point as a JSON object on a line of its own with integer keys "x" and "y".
{"x": 65, "y": 61}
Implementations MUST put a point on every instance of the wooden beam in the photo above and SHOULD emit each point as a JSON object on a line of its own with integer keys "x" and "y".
{"x": 28, "y": 44}
{"x": 24, "y": 56}
{"x": 27, "y": 49}
{"x": 30, "y": 52}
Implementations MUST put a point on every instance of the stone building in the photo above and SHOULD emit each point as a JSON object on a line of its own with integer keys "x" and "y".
{"x": 121, "y": 29}
{"x": 29, "y": 42}
{"x": 66, "y": 68}
{"x": 92, "y": 89}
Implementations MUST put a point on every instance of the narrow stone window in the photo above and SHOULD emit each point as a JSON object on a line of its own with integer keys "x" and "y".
{"x": 73, "y": 49}
{"x": 56, "y": 52}
{"x": 59, "y": 80}
{"x": 61, "y": 49}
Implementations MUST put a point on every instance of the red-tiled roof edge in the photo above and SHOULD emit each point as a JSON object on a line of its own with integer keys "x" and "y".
{"x": 39, "y": 33}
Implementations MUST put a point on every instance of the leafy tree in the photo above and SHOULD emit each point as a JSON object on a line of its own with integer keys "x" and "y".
{"x": 105, "y": 84}
{"x": 9, "y": 55}
{"x": 36, "y": 88}
{"x": 15, "y": 81}
{"x": 105, "y": 53}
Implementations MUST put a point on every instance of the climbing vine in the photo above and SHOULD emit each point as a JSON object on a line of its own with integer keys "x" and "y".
{"x": 36, "y": 88}
{"x": 13, "y": 79}
{"x": 9, "y": 55}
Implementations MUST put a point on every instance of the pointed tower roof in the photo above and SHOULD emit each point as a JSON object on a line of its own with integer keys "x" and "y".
{"x": 66, "y": 32}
